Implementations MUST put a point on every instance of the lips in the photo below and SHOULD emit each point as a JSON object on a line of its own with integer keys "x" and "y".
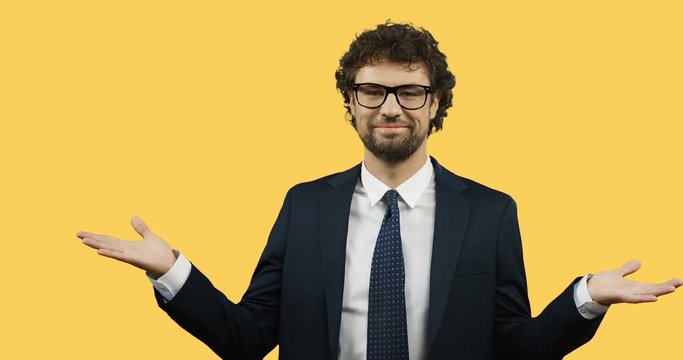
{"x": 391, "y": 126}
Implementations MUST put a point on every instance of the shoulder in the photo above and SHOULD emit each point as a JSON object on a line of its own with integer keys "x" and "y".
{"x": 316, "y": 187}
{"x": 475, "y": 191}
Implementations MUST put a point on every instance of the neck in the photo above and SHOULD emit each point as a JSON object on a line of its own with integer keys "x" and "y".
{"x": 394, "y": 174}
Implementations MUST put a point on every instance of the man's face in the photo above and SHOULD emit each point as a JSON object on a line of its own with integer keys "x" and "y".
{"x": 390, "y": 132}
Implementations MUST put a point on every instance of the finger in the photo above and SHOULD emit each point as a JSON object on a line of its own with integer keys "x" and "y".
{"x": 675, "y": 282}
{"x": 82, "y": 234}
{"x": 637, "y": 298}
{"x": 140, "y": 226}
{"x": 92, "y": 243}
{"x": 629, "y": 268}
{"x": 114, "y": 254}
{"x": 656, "y": 289}
{"x": 102, "y": 242}
{"x": 105, "y": 238}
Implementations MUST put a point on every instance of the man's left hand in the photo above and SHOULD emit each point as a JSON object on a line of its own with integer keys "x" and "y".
{"x": 610, "y": 287}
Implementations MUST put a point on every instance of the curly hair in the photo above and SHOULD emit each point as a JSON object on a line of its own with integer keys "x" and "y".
{"x": 403, "y": 44}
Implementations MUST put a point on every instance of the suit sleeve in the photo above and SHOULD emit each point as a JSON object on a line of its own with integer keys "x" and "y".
{"x": 244, "y": 330}
{"x": 554, "y": 333}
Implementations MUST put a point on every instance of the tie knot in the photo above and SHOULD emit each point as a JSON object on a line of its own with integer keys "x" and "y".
{"x": 391, "y": 199}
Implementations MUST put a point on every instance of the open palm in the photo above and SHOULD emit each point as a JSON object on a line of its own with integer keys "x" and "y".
{"x": 151, "y": 254}
{"x": 611, "y": 287}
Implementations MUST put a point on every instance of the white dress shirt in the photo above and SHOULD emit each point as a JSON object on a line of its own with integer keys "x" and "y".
{"x": 417, "y": 204}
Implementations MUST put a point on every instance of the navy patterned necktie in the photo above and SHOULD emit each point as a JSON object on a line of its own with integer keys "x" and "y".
{"x": 387, "y": 329}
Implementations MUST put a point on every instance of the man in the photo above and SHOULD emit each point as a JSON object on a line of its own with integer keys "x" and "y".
{"x": 396, "y": 258}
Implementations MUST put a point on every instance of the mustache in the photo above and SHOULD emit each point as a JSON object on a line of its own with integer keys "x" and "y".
{"x": 397, "y": 122}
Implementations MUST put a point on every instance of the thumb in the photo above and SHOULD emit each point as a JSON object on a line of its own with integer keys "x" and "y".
{"x": 629, "y": 268}
{"x": 676, "y": 282}
{"x": 140, "y": 226}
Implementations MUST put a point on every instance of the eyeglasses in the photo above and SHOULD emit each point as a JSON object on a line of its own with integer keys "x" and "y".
{"x": 409, "y": 97}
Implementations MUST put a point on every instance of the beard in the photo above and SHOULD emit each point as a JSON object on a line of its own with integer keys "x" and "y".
{"x": 392, "y": 148}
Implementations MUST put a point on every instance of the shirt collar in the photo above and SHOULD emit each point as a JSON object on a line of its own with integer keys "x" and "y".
{"x": 410, "y": 190}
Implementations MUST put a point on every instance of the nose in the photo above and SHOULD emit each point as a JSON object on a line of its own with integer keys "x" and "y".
{"x": 391, "y": 108}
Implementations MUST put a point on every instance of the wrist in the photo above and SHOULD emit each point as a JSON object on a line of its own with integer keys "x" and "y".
{"x": 589, "y": 286}
{"x": 166, "y": 266}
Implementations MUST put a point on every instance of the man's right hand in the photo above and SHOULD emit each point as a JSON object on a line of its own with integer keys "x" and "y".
{"x": 152, "y": 254}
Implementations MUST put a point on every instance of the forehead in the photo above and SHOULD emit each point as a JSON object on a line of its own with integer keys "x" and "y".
{"x": 392, "y": 74}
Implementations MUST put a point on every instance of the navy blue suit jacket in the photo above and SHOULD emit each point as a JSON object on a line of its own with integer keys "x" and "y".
{"x": 478, "y": 303}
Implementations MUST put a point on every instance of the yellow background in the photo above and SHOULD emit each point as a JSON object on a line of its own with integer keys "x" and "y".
{"x": 198, "y": 116}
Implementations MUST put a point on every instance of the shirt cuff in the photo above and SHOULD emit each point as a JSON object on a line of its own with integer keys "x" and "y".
{"x": 171, "y": 282}
{"x": 588, "y": 308}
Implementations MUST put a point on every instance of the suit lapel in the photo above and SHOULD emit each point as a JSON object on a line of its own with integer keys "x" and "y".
{"x": 450, "y": 223}
{"x": 335, "y": 205}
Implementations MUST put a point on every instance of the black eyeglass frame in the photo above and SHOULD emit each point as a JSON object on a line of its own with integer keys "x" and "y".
{"x": 392, "y": 90}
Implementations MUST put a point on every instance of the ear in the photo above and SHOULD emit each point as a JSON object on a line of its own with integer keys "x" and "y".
{"x": 352, "y": 104}
{"x": 434, "y": 106}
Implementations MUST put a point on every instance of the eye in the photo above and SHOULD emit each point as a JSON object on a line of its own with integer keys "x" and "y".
{"x": 411, "y": 92}
{"x": 371, "y": 91}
